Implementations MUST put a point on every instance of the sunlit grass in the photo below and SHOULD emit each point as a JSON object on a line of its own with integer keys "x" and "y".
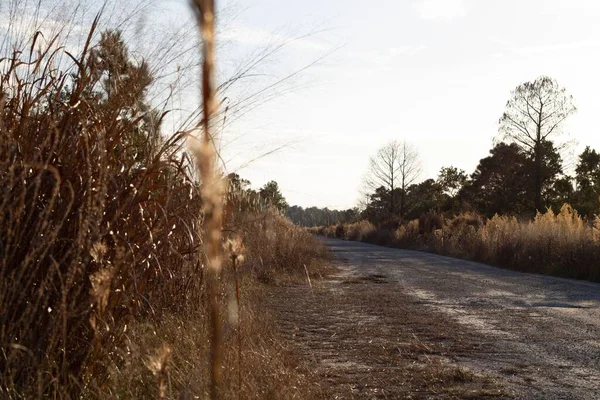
{"x": 562, "y": 244}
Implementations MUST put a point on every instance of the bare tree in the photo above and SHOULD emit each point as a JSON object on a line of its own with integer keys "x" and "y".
{"x": 535, "y": 114}
{"x": 394, "y": 167}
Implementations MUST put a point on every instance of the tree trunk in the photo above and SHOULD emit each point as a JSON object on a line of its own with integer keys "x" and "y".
{"x": 392, "y": 194}
{"x": 538, "y": 178}
{"x": 538, "y": 163}
{"x": 402, "y": 203}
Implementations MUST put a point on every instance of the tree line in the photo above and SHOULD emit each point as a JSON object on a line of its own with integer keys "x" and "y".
{"x": 523, "y": 173}
{"x": 241, "y": 196}
{"x": 315, "y": 216}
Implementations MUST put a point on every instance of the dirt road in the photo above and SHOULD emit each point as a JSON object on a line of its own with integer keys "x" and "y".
{"x": 403, "y": 324}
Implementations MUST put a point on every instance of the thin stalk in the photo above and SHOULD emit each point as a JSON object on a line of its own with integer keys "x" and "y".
{"x": 211, "y": 187}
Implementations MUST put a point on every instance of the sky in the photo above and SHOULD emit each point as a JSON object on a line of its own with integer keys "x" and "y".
{"x": 436, "y": 73}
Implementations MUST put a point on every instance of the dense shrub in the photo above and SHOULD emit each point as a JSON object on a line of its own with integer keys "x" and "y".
{"x": 430, "y": 221}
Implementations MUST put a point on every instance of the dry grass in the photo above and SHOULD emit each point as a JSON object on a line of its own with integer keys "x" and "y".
{"x": 358, "y": 231}
{"x": 562, "y": 244}
{"x": 284, "y": 251}
{"x": 103, "y": 280}
{"x": 266, "y": 368}
{"x": 98, "y": 222}
{"x": 365, "y": 339}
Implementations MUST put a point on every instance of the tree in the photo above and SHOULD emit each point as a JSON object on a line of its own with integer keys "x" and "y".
{"x": 240, "y": 197}
{"x": 394, "y": 167}
{"x": 587, "y": 177}
{"x": 271, "y": 195}
{"x": 535, "y": 114}
{"x": 378, "y": 204}
{"x": 503, "y": 182}
{"x": 424, "y": 197}
{"x": 550, "y": 170}
{"x": 562, "y": 192}
{"x": 314, "y": 216}
{"x": 122, "y": 85}
{"x": 498, "y": 185}
{"x": 588, "y": 169}
{"x": 451, "y": 179}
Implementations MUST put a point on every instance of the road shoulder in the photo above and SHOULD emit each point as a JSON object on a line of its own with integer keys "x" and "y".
{"x": 364, "y": 338}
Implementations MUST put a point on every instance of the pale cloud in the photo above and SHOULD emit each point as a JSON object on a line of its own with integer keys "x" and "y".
{"x": 444, "y": 10}
{"x": 385, "y": 57}
{"x": 246, "y": 35}
{"x": 408, "y": 50}
{"x": 573, "y": 7}
{"x": 52, "y": 32}
{"x": 557, "y": 47}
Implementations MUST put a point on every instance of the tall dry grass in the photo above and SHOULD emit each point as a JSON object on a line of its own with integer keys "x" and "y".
{"x": 283, "y": 251}
{"x": 107, "y": 240}
{"x": 562, "y": 244}
{"x": 98, "y": 221}
{"x": 358, "y": 231}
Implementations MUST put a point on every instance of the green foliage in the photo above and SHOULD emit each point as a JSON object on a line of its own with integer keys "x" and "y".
{"x": 532, "y": 119}
{"x": 550, "y": 172}
{"x": 120, "y": 92}
{"x": 503, "y": 182}
{"x": 562, "y": 192}
{"x": 451, "y": 180}
{"x": 240, "y": 198}
{"x": 587, "y": 177}
{"x": 425, "y": 197}
{"x": 378, "y": 207}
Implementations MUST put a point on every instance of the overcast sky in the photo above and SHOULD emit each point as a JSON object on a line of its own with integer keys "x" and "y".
{"x": 436, "y": 73}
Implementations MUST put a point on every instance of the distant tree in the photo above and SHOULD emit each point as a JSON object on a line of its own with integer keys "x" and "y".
{"x": 237, "y": 183}
{"x": 503, "y": 182}
{"x": 498, "y": 185}
{"x": 271, "y": 195}
{"x": 378, "y": 205}
{"x": 588, "y": 169}
{"x": 451, "y": 179}
{"x": 351, "y": 215}
{"x": 314, "y": 216}
{"x": 562, "y": 192}
{"x": 534, "y": 114}
{"x": 391, "y": 170}
{"x": 239, "y": 196}
{"x": 424, "y": 197}
{"x": 550, "y": 172}
{"x": 587, "y": 177}
{"x": 297, "y": 215}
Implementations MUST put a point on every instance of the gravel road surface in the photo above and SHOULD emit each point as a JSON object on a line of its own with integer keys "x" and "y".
{"x": 542, "y": 333}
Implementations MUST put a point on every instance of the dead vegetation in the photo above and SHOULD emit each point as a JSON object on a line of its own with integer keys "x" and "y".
{"x": 561, "y": 244}
{"x": 124, "y": 273}
{"x": 104, "y": 288}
